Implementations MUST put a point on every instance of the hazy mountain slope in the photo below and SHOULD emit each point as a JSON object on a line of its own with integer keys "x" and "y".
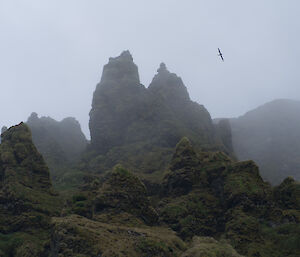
{"x": 61, "y": 143}
{"x": 65, "y": 136}
{"x": 270, "y": 135}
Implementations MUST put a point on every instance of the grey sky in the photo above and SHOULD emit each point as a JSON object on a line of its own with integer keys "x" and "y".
{"x": 52, "y": 51}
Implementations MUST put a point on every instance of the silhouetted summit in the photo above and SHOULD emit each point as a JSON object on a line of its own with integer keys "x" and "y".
{"x": 169, "y": 85}
{"x": 131, "y": 120}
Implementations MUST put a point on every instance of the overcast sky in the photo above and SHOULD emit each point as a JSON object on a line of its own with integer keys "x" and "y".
{"x": 52, "y": 51}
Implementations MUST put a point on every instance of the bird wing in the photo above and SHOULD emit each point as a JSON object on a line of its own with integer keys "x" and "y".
{"x": 219, "y": 51}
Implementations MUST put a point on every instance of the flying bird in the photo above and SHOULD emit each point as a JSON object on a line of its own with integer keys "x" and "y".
{"x": 220, "y": 54}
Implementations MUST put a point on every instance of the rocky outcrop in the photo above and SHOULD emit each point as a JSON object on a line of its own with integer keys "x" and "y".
{"x": 27, "y": 200}
{"x": 185, "y": 169}
{"x": 124, "y": 192}
{"x": 139, "y": 127}
{"x": 57, "y": 141}
{"x": 118, "y": 101}
{"x": 61, "y": 143}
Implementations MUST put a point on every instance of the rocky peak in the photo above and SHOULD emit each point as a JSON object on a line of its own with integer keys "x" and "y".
{"x": 19, "y": 153}
{"x": 27, "y": 199}
{"x": 184, "y": 169}
{"x": 162, "y": 68}
{"x": 33, "y": 117}
{"x": 57, "y": 140}
{"x": 169, "y": 86}
{"x": 126, "y": 55}
{"x": 124, "y": 192}
{"x": 25, "y": 184}
{"x": 125, "y": 113}
{"x": 117, "y": 101}
{"x": 184, "y": 156}
{"x": 120, "y": 70}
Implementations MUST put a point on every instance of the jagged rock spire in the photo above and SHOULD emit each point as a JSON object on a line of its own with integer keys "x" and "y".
{"x": 162, "y": 68}
{"x": 119, "y": 89}
{"x": 169, "y": 85}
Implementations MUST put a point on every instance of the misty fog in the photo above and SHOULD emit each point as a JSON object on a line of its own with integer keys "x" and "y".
{"x": 52, "y": 52}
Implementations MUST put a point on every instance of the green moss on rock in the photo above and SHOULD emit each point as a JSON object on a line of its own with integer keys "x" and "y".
{"x": 124, "y": 192}
{"x": 209, "y": 247}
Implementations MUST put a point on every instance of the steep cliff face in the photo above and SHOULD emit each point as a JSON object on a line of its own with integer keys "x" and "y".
{"x": 117, "y": 103}
{"x": 27, "y": 199}
{"x": 269, "y": 135}
{"x": 139, "y": 127}
{"x": 192, "y": 118}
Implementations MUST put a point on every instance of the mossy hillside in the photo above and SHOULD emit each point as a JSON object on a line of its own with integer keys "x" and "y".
{"x": 27, "y": 199}
{"x": 24, "y": 174}
{"x": 197, "y": 213}
{"x": 77, "y": 236}
{"x": 184, "y": 169}
{"x": 124, "y": 192}
{"x": 209, "y": 247}
{"x": 287, "y": 194}
{"x": 243, "y": 187}
{"x": 21, "y": 244}
{"x": 225, "y": 199}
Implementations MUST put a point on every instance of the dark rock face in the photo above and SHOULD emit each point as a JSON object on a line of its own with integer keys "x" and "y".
{"x": 170, "y": 87}
{"x": 128, "y": 121}
{"x": 117, "y": 103}
{"x": 269, "y": 135}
